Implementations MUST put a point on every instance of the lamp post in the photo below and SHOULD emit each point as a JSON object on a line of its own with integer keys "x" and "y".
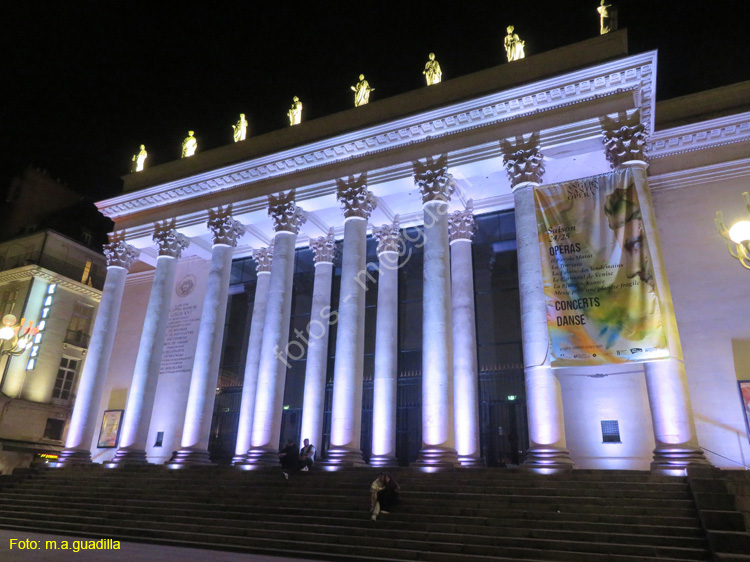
{"x": 738, "y": 236}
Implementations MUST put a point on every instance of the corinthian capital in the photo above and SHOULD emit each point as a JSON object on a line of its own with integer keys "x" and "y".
{"x": 285, "y": 214}
{"x": 263, "y": 258}
{"x": 324, "y": 249}
{"x": 433, "y": 180}
{"x": 120, "y": 254}
{"x": 224, "y": 228}
{"x": 461, "y": 224}
{"x": 354, "y": 197}
{"x": 624, "y": 139}
{"x": 170, "y": 242}
{"x": 388, "y": 237}
{"x": 523, "y": 160}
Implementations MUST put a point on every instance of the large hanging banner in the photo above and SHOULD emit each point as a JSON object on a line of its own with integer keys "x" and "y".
{"x": 599, "y": 284}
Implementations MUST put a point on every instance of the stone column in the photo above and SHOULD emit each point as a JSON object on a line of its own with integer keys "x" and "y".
{"x": 357, "y": 202}
{"x": 316, "y": 338}
{"x": 200, "y": 405}
{"x": 84, "y": 423}
{"x": 438, "y": 438}
{"x": 465, "y": 370}
{"x": 137, "y": 418}
{"x": 547, "y": 451}
{"x": 269, "y": 399}
{"x": 385, "y": 386}
{"x": 666, "y": 381}
{"x": 263, "y": 258}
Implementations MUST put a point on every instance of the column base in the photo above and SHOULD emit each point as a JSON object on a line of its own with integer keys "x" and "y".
{"x": 73, "y": 457}
{"x": 436, "y": 458}
{"x": 342, "y": 458}
{"x": 548, "y": 460}
{"x": 189, "y": 457}
{"x": 470, "y": 461}
{"x": 259, "y": 458}
{"x": 673, "y": 460}
{"x": 384, "y": 461}
{"x": 128, "y": 457}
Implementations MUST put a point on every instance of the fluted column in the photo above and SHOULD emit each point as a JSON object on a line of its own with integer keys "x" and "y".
{"x": 84, "y": 423}
{"x": 269, "y": 399}
{"x": 465, "y": 370}
{"x": 200, "y": 405}
{"x": 547, "y": 451}
{"x": 263, "y": 258}
{"x": 385, "y": 385}
{"x": 137, "y": 418}
{"x": 357, "y": 202}
{"x": 666, "y": 381}
{"x": 438, "y": 432}
{"x": 316, "y": 338}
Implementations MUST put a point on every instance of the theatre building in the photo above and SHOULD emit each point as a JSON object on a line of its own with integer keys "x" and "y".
{"x": 516, "y": 266}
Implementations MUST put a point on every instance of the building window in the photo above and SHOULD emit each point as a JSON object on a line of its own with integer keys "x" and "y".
{"x": 54, "y": 429}
{"x": 611, "y": 431}
{"x": 8, "y": 301}
{"x": 79, "y": 325}
{"x": 159, "y": 439}
{"x": 66, "y": 375}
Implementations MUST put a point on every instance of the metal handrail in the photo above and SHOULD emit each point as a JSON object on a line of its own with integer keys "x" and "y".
{"x": 726, "y": 458}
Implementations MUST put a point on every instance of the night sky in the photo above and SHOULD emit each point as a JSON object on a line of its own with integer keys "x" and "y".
{"x": 85, "y": 82}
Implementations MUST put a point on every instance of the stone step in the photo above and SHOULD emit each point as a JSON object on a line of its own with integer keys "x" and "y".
{"x": 362, "y": 526}
{"x": 411, "y": 504}
{"x": 542, "y": 549}
{"x": 504, "y": 518}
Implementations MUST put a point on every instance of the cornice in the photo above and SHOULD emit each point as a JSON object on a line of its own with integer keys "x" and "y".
{"x": 34, "y": 271}
{"x": 701, "y": 176}
{"x": 634, "y": 73}
{"x": 699, "y": 136}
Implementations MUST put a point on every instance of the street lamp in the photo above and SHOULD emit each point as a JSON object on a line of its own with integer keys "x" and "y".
{"x": 15, "y": 338}
{"x": 738, "y": 236}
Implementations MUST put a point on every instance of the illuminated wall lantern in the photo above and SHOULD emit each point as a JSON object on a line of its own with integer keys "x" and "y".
{"x": 49, "y": 297}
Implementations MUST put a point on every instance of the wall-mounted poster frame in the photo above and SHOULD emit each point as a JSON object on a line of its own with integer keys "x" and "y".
{"x": 109, "y": 434}
{"x": 744, "y": 387}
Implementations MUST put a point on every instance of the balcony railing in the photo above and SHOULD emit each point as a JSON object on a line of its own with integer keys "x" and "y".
{"x": 77, "y": 338}
{"x": 72, "y": 270}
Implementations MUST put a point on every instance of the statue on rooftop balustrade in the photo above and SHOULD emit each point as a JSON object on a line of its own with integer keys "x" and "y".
{"x": 362, "y": 91}
{"x": 295, "y": 112}
{"x": 139, "y": 160}
{"x": 513, "y": 45}
{"x": 189, "y": 145}
{"x": 432, "y": 72}
{"x": 240, "y": 129}
{"x": 607, "y": 17}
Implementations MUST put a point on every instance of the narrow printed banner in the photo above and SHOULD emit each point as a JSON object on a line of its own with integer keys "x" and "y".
{"x": 599, "y": 284}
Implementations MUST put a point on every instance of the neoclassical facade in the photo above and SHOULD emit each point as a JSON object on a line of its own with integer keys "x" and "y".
{"x": 358, "y": 191}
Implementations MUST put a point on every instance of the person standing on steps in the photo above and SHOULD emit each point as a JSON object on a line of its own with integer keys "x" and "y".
{"x": 306, "y": 456}
{"x": 286, "y": 457}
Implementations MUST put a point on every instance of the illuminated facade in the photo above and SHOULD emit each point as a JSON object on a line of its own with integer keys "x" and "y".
{"x": 324, "y": 322}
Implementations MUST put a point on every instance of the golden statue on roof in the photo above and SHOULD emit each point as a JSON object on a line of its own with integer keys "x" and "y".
{"x": 432, "y": 72}
{"x": 362, "y": 91}
{"x": 513, "y": 45}
{"x": 239, "y": 131}
{"x": 295, "y": 112}
{"x": 139, "y": 160}
{"x": 189, "y": 145}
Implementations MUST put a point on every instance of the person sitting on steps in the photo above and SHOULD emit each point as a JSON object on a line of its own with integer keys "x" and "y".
{"x": 383, "y": 495}
{"x": 306, "y": 456}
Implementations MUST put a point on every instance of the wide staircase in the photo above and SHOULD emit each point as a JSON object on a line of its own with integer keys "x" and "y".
{"x": 468, "y": 515}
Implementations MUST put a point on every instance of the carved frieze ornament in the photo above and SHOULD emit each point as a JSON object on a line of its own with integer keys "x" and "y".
{"x": 224, "y": 228}
{"x": 263, "y": 258}
{"x": 461, "y": 224}
{"x": 170, "y": 242}
{"x": 624, "y": 139}
{"x": 388, "y": 237}
{"x": 120, "y": 254}
{"x": 433, "y": 180}
{"x": 285, "y": 214}
{"x": 354, "y": 197}
{"x": 523, "y": 160}
{"x": 324, "y": 248}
